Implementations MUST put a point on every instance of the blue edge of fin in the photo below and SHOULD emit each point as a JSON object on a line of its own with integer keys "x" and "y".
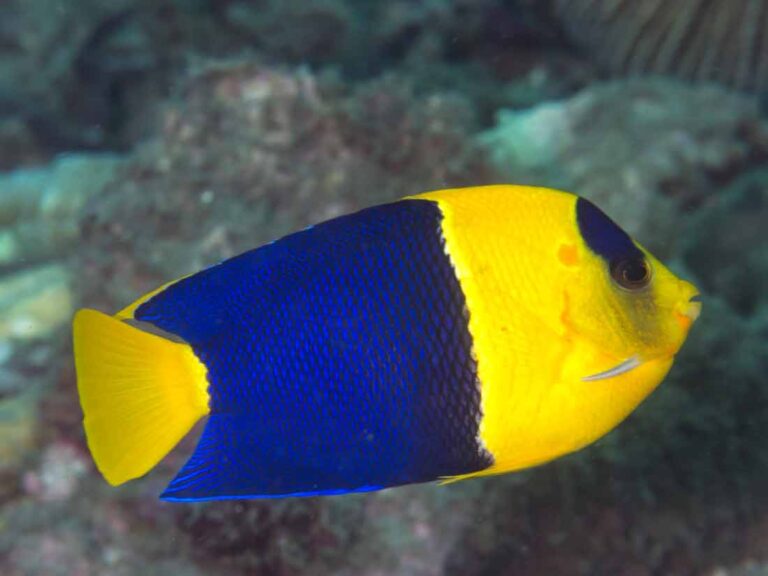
{"x": 308, "y": 494}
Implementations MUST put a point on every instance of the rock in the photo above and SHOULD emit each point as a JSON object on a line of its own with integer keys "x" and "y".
{"x": 35, "y": 302}
{"x": 18, "y": 145}
{"x": 42, "y": 46}
{"x": 40, "y": 207}
{"x": 293, "y": 30}
{"x": 57, "y": 555}
{"x": 642, "y": 149}
{"x": 247, "y": 153}
{"x": 18, "y": 438}
{"x": 253, "y": 153}
{"x": 751, "y": 568}
{"x": 531, "y": 139}
{"x": 58, "y": 476}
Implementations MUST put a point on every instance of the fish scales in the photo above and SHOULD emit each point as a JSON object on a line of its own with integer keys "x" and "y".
{"x": 300, "y": 360}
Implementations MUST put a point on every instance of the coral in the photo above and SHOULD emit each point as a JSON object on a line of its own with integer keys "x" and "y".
{"x": 39, "y": 211}
{"x": 41, "y": 45}
{"x": 75, "y": 531}
{"x": 253, "y": 153}
{"x": 692, "y": 457}
{"x": 281, "y": 537}
{"x": 18, "y": 436}
{"x": 18, "y": 145}
{"x": 94, "y": 77}
{"x": 40, "y": 207}
{"x": 35, "y": 302}
{"x": 232, "y": 152}
{"x": 61, "y": 468}
{"x": 642, "y": 149}
{"x": 751, "y": 568}
{"x": 294, "y": 30}
{"x": 471, "y": 46}
{"x": 495, "y": 53}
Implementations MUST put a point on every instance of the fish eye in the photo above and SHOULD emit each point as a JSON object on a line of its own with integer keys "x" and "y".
{"x": 631, "y": 273}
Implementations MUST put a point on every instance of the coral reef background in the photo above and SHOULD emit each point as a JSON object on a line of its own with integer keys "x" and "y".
{"x": 144, "y": 139}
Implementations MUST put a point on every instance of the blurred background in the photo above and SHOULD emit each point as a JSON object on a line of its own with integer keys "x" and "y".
{"x": 144, "y": 139}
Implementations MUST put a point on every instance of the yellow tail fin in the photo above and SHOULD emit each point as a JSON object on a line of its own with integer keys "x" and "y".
{"x": 140, "y": 393}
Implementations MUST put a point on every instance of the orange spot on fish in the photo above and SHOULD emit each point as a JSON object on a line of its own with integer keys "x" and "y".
{"x": 568, "y": 254}
{"x": 565, "y": 315}
{"x": 684, "y": 320}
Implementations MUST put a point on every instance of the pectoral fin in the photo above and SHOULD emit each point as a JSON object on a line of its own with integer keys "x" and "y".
{"x": 621, "y": 368}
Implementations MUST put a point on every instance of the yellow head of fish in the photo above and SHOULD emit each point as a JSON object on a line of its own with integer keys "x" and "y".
{"x": 573, "y": 323}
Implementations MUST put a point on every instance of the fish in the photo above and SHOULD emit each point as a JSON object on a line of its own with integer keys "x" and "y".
{"x": 451, "y": 334}
{"x": 697, "y": 40}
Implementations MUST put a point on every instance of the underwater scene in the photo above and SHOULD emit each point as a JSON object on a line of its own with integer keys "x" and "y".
{"x": 438, "y": 386}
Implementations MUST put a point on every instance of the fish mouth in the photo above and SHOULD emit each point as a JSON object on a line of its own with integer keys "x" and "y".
{"x": 621, "y": 368}
{"x": 694, "y": 307}
{"x": 687, "y": 312}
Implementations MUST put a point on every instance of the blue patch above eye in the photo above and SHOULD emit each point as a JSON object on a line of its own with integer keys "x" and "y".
{"x": 603, "y": 235}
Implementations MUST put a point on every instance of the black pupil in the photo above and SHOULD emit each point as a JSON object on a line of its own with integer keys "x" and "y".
{"x": 631, "y": 273}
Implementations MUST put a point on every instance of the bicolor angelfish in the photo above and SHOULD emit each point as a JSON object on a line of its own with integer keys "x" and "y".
{"x": 452, "y": 334}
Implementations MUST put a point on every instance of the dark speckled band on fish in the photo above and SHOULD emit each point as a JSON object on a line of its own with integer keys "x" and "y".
{"x": 349, "y": 338}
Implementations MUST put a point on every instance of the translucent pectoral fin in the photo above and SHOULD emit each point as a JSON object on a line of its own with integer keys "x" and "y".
{"x": 622, "y": 368}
